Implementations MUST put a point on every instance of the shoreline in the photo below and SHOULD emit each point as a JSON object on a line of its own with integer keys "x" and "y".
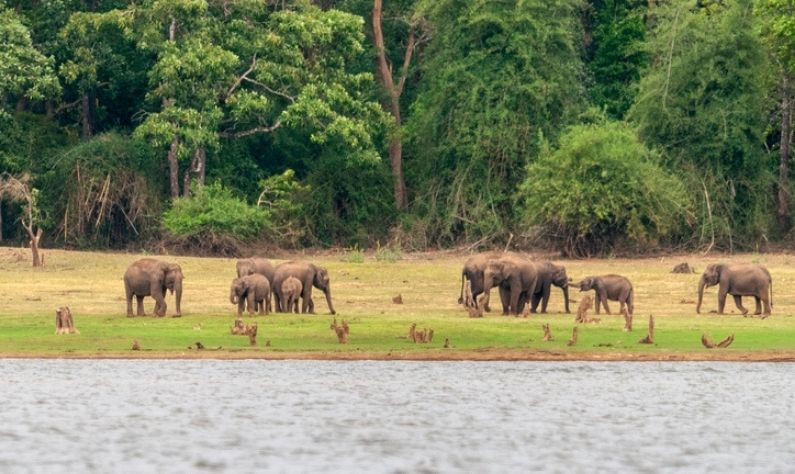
{"x": 446, "y": 355}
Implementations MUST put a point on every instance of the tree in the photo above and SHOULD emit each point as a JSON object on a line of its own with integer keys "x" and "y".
{"x": 600, "y": 188}
{"x": 394, "y": 91}
{"x": 19, "y": 189}
{"x": 24, "y": 71}
{"x": 496, "y": 74}
{"x": 778, "y": 30}
{"x": 702, "y": 102}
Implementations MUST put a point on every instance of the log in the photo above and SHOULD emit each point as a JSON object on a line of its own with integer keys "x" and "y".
{"x": 64, "y": 324}
{"x": 707, "y": 342}
{"x": 649, "y": 339}
{"x": 726, "y": 342}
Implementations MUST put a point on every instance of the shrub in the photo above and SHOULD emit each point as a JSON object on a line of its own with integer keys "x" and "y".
{"x": 283, "y": 197}
{"x": 213, "y": 215}
{"x": 602, "y": 187}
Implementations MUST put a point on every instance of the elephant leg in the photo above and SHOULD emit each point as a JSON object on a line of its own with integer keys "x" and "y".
{"x": 534, "y": 300}
{"x": 505, "y": 295}
{"x": 758, "y": 309}
{"x": 251, "y": 302}
{"x": 597, "y": 303}
{"x": 766, "y": 301}
{"x": 722, "y": 299}
{"x": 738, "y": 301}
{"x": 241, "y": 305}
{"x": 545, "y": 299}
{"x": 515, "y": 293}
{"x": 278, "y": 303}
{"x": 603, "y": 297}
{"x": 261, "y": 305}
{"x": 486, "y": 298}
{"x": 139, "y": 302}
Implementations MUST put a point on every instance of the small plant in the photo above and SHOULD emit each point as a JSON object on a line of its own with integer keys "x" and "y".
{"x": 388, "y": 254}
{"x": 354, "y": 255}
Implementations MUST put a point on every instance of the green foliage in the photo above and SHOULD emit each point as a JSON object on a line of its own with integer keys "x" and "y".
{"x": 600, "y": 188}
{"x": 24, "y": 71}
{"x": 104, "y": 192}
{"x": 777, "y": 24}
{"x": 284, "y": 198}
{"x": 213, "y": 212}
{"x": 616, "y": 54}
{"x": 704, "y": 103}
{"x": 494, "y": 75}
{"x": 388, "y": 253}
{"x": 354, "y": 255}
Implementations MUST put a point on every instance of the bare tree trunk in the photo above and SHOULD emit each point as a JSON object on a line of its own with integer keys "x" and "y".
{"x": 393, "y": 105}
{"x": 196, "y": 169}
{"x": 173, "y": 168}
{"x": 783, "y": 197}
{"x": 201, "y": 164}
{"x": 34, "y": 245}
{"x": 85, "y": 116}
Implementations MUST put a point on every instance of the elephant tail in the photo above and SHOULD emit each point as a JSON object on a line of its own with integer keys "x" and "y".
{"x": 771, "y": 292}
{"x": 631, "y": 301}
{"x": 461, "y": 296}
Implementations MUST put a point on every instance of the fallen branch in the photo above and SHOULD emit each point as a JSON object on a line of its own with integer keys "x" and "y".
{"x": 573, "y": 339}
{"x": 649, "y": 339}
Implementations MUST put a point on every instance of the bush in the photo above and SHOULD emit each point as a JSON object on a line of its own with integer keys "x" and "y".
{"x": 212, "y": 217}
{"x": 602, "y": 187}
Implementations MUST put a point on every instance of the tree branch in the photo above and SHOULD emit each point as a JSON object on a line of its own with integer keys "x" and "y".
{"x": 251, "y": 131}
{"x": 404, "y": 71}
{"x": 243, "y": 76}
{"x": 272, "y": 91}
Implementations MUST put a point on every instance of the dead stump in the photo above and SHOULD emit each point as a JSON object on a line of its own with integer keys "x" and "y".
{"x": 135, "y": 345}
{"x": 683, "y": 268}
{"x": 547, "y": 333}
{"x": 649, "y": 339}
{"x": 573, "y": 339}
{"x": 707, "y": 342}
{"x": 341, "y": 330}
{"x": 398, "y": 299}
{"x": 64, "y": 324}
{"x": 420, "y": 336}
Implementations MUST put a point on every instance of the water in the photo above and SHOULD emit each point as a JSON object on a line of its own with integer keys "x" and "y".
{"x": 299, "y": 416}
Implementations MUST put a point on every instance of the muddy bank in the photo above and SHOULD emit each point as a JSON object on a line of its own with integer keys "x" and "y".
{"x": 429, "y": 355}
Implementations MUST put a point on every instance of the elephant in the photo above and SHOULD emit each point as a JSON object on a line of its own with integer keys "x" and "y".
{"x": 515, "y": 275}
{"x": 610, "y": 287}
{"x": 291, "y": 291}
{"x": 309, "y": 275}
{"x": 738, "y": 280}
{"x": 253, "y": 289}
{"x": 263, "y": 266}
{"x": 549, "y": 274}
{"x": 151, "y": 277}
{"x": 473, "y": 272}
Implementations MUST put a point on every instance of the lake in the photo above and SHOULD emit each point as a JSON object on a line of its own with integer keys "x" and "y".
{"x": 376, "y": 416}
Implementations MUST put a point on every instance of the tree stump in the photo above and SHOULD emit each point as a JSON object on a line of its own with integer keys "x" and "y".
{"x": 573, "y": 339}
{"x": 64, "y": 324}
{"x": 135, "y": 345}
{"x": 683, "y": 268}
{"x": 398, "y": 299}
{"x": 446, "y": 342}
{"x": 341, "y": 330}
{"x": 251, "y": 331}
{"x": 649, "y": 339}
{"x": 547, "y": 333}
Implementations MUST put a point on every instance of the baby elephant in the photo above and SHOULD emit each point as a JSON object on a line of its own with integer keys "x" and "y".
{"x": 610, "y": 287}
{"x": 253, "y": 289}
{"x": 291, "y": 293}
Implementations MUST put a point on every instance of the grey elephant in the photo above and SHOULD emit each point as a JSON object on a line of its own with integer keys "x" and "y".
{"x": 310, "y": 276}
{"x": 473, "y": 273}
{"x": 151, "y": 277}
{"x": 610, "y": 287}
{"x": 738, "y": 280}
{"x": 549, "y": 274}
{"x": 291, "y": 292}
{"x": 262, "y": 266}
{"x": 253, "y": 290}
{"x": 514, "y": 275}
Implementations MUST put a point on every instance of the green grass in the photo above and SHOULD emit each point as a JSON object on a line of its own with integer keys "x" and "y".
{"x": 90, "y": 284}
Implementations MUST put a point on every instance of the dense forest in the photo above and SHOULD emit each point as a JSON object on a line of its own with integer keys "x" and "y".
{"x": 593, "y": 127}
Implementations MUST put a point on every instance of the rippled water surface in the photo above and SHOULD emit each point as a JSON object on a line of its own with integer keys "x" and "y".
{"x": 298, "y": 416}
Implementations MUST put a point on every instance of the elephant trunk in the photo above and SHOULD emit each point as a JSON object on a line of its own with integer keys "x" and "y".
{"x": 327, "y": 291}
{"x": 701, "y": 285}
{"x": 178, "y": 297}
{"x": 232, "y": 296}
{"x": 566, "y": 298}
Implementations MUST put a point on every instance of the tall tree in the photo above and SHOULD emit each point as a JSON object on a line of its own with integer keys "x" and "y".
{"x": 393, "y": 87}
{"x": 496, "y": 75}
{"x": 777, "y": 23}
{"x": 703, "y": 102}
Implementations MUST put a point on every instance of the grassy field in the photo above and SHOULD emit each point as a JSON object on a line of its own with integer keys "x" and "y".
{"x": 91, "y": 285}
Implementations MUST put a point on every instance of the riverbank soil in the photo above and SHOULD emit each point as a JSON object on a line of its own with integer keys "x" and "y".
{"x": 90, "y": 283}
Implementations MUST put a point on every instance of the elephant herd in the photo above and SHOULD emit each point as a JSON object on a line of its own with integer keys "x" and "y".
{"x": 259, "y": 285}
{"x": 522, "y": 281}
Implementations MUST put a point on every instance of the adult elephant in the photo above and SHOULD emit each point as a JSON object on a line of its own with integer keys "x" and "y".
{"x": 473, "y": 273}
{"x": 151, "y": 277}
{"x": 549, "y": 274}
{"x": 310, "y": 276}
{"x": 515, "y": 275}
{"x": 738, "y": 281}
{"x": 256, "y": 266}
